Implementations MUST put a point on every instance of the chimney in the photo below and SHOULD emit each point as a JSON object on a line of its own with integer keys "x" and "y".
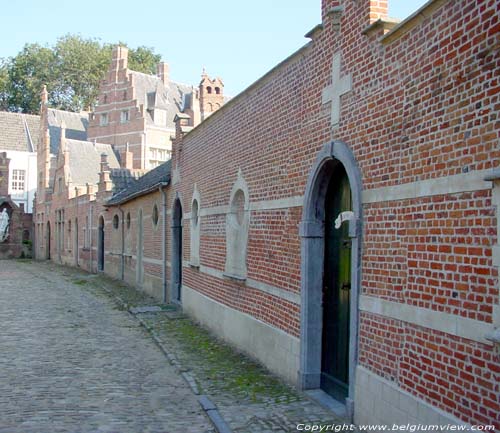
{"x": 378, "y": 10}
{"x": 105, "y": 183}
{"x": 44, "y": 96}
{"x": 163, "y": 72}
{"x": 128, "y": 158}
{"x": 104, "y": 162}
{"x": 327, "y": 6}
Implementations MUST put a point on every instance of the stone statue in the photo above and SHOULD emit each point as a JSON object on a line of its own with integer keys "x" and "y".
{"x": 4, "y": 225}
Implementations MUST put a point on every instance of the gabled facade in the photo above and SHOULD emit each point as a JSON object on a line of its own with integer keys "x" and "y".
{"x": 19, "y": 139}
{"x": 86, "y": 158}
{"x": 136, "y": 111}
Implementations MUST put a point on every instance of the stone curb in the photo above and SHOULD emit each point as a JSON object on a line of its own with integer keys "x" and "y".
{"x": 213, "y": 413}
{"x": 206, "y": 404}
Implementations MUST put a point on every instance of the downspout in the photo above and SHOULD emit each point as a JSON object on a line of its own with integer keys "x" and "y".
{"x": 163, "y": 193}
{"x": 122, "y": 276}
{"x": 91, "y": 233}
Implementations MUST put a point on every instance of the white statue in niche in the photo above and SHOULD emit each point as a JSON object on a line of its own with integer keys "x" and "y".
{"x": 4, "y": 225}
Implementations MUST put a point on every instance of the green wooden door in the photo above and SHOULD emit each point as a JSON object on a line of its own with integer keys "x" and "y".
{"x": 336, "y": 289}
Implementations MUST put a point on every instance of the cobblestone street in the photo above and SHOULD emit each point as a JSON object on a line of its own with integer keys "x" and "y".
{"x": 74, "y": 360}
{"x": 71, "y": 362}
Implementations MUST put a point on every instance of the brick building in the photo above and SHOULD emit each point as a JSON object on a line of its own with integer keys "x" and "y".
{"x": 137, "y": 110}
{"x": 15, "y": 232}
{"x": 19, "y": 139}
{"x": 346, "y": 237}
{"x": 85, "y": 158}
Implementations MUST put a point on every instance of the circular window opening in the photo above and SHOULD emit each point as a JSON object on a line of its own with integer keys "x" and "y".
{"x": 116, "y": 222}
{"x": 194, "y": 213}
{"x": 128, "y": 220}
{"x": 239, "y": 206}
{"x": 155, "y": 215}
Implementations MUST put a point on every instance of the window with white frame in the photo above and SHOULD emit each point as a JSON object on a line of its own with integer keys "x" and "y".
{"x": 18, "y": 177}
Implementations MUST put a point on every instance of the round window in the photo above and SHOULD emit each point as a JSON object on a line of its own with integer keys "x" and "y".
{"x": 155, "y": 215}
{"x": 116, "y": 221}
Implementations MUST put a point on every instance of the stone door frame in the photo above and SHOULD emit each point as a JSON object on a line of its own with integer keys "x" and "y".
{"x": 312, "y": 234}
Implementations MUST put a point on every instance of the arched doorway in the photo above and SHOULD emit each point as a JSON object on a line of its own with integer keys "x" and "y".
{"x": 47, "y": 242}
{"x": 139, "y": 267}
{"x": 176, "y": 278}
{"x": 100, "y": 245}
{"x": 330, "y": 274}
{"x": 336, "y": 287}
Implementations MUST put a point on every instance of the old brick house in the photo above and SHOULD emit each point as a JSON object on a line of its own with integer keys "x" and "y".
{"x": 137, "y": 110}
{"x": 347, "y": 236}
{"x": 15, "y": 223}
{"x": 85, "y": 158}
{"x": 19, "y": 139}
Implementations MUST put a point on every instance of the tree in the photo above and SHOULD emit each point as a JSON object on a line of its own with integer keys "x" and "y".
{"x": 71, "y": 69}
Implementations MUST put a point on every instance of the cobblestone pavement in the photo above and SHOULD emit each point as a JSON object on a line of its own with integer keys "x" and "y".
{"x": 71, "y": 361}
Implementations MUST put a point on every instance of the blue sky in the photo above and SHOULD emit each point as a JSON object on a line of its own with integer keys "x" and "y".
{"x": 236, "y": 40}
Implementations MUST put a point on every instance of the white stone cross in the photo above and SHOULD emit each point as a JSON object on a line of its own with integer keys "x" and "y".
{"x": 333, "y": 92}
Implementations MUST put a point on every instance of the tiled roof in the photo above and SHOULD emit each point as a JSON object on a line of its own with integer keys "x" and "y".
{"x": 85, "y": 160}
{"x": 152, "y": 93}
{"x": 19, "y": 131}
{"x": 145, "y": 184}
{"x": 75, "y": 123}
{"x": 123, "y": 178}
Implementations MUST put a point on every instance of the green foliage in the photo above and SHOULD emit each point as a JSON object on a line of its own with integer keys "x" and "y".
{"x": 71, "y": 69}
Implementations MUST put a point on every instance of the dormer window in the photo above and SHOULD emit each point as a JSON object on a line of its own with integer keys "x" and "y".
{"x": 124, "y": 116}
{"x": 104, "y": 119}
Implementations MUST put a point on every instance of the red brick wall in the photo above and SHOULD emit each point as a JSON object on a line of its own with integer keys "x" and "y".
{"x": 423, "y": 106}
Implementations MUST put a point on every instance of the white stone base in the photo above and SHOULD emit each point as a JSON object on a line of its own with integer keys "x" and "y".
{"x": 378, "y": 401}
{"x": 275, "y": 349}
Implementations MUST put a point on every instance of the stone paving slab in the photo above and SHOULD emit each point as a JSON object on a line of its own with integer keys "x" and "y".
{"x": 71, "y": 361}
